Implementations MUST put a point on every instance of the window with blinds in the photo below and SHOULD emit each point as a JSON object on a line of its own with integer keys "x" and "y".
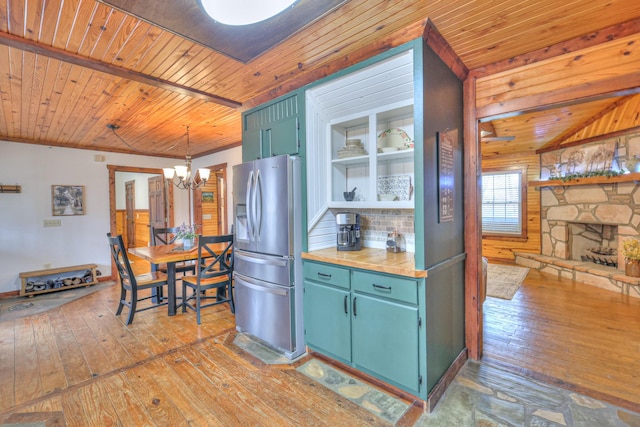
{"x": 502, "y": 203}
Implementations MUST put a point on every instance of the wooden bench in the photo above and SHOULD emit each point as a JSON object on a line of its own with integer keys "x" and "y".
{"x": 57, "y": 279}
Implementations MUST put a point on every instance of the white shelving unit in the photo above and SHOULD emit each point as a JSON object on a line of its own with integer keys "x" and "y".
{"x": 376, "y": 172}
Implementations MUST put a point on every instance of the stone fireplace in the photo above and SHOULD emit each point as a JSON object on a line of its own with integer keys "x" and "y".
{"x": 597, "y": 243}
{"x": 577, "y": 218}
{"x": 588, "y": 217}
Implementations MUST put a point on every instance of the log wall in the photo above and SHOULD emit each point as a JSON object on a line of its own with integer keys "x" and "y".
{"x": 503, "y": 249}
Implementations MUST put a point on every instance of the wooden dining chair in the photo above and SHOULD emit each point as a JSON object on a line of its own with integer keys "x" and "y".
{"x": 167, "y": 236}
{"x": 133, "y": 284}
{"x": 214, "y": 270}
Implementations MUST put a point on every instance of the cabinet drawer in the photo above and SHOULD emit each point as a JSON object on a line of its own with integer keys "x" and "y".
{"x": 329, "y": 274}
{"x": 386, "y": 286}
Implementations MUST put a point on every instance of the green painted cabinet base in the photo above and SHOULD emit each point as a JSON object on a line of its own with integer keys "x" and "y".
{"x": 327, "y": 320}
{"x": 385, "y": 340}
{"x": 363, "y": 319}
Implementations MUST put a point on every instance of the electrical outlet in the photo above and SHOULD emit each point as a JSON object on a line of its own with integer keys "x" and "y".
{"x": 47, "y": 265}
{"x": 52, "y": 223}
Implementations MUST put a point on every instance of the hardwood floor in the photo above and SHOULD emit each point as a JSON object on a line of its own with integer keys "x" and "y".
{"x": 81, "y": 363}
{"x": 570, "y": 334}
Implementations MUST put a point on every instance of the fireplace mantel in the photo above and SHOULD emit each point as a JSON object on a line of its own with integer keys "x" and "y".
{"x": 635, "y": 177}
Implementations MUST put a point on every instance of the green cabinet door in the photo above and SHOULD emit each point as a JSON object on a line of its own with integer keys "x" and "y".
{"x": 272, "y": 129}
{"x": 327, "y": 320}
{"x": 252, "y": 145}
{"x": 283, "y": 137}
{"x": 385, "y": 340}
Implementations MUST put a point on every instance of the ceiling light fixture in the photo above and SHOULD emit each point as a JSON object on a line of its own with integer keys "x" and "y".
{"x": 244, "y": 12}
{"x": 185, "y": 180}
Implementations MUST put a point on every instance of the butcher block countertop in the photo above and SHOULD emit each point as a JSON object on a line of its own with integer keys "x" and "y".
{"x": 402, "y": 264}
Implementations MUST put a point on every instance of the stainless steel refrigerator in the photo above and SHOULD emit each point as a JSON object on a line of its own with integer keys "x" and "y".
{"x": 267, "y": 202}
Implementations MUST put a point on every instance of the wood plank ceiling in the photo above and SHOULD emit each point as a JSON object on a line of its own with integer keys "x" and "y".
{"x": 69, "y": 68}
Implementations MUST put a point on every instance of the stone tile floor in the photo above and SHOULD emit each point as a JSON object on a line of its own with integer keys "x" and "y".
{"x": 481, "y": 395}
{"x": 488, "y": 396}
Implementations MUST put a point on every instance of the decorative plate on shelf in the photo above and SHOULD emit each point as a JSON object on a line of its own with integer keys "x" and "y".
{"x": 400, "y": 185}
{"x": 394, "y": 137}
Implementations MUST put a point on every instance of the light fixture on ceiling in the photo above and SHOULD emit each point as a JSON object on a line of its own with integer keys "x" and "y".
{"x": 187, "y": 181}
{"x": 244, "y": 12}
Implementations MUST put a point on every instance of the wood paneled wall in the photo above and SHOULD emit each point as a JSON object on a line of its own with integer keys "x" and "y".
{"x": 502, "y": 250}
{"x": 120, "y": 225}
{"x": 142, "y": 227}
{"x": 210, "y": 225}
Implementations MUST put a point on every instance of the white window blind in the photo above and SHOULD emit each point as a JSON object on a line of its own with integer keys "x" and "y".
{"x": 502, "y": 202}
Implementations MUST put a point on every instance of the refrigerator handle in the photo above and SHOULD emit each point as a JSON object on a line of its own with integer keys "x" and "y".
{"x": 256, "y": 286}
{"x": 258, "y": 204}
{"x": 248, "y": 204}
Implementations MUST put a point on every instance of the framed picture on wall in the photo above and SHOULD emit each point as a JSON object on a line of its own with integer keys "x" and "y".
{"x": 207, "y": 196}
{"x": 67, "y": 200}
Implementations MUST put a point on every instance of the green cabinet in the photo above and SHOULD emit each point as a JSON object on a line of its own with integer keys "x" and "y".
{"x": 327, "y": 317}
{"x": 385, "y": 340}
{"x": 272, "y": 129}
{"x": 328, "y": 320}
{"x": 368, "y": 320}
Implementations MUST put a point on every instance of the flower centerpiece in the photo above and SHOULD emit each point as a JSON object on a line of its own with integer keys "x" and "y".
{"x": 631, "y": 253}
{"x": 188, "y": 234}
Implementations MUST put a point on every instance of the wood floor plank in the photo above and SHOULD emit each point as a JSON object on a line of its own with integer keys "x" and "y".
{"x": 74, "y": 364}
{"x": 154, "y": 400}
{"x": 7, "y": 364}
{"x": 97, "y": 361}
{"x": 73, "y": 406}
{"x": 181, "y": 394}
{"x": 50, "y": 366}
{"x": 26, "y": 368}
{"x": 227, "y": 409}
{"x": 98, "y": 410}
{"x": 233, "y": 387}
{"x": 131, "y": 412}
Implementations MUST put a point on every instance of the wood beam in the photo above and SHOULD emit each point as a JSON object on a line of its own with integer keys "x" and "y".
{"x": 439, "y": 45}
{"x": 622, "y": 85}
{"x": 103, "y": 67}
{"x": 472, "y": 222}
{"x": 105, "y": 149}
{"x": 592, "y": 139}
{"x": 557, "y": 142}
{"x": 604, "y": 35}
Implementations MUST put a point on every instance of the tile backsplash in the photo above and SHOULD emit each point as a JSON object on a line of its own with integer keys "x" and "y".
{"x": 375, "y": 224}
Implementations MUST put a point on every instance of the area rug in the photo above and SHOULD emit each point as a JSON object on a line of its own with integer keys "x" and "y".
{"x": 378, "y": 403}
{"x": 21, "y": 306}
{"x": 503, "y": 281}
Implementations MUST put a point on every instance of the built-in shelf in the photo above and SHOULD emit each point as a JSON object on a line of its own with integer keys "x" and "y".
{"x": 635, "y": 177}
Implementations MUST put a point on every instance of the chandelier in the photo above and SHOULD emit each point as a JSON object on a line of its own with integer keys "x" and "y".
{"x": 187, "y": 181}
{"x": 243, "y": 12}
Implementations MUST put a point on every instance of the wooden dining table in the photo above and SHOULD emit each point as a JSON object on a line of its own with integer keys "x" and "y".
{"x": 169, "y": 255}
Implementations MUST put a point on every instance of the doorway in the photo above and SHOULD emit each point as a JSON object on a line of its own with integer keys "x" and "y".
{"x": 210, "y": 203}
{"x": 140, "y": 218}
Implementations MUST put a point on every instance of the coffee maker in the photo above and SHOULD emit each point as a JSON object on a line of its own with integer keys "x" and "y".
{"x": 348, "y": 238}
